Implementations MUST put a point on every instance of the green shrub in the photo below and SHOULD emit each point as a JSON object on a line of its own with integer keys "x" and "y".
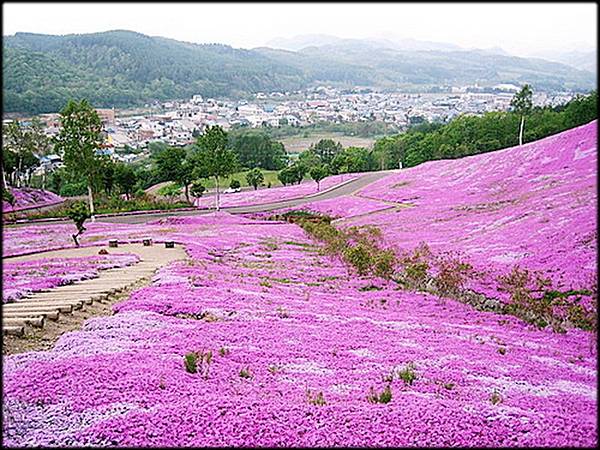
{"x": 452, "y": 274}
{"x": 190, "y": 361}
{"x": 384, "y": 397}
{"x": 78, "y": 212}
{"x": 8, "y": 196}
{"x": 408, "y": 374}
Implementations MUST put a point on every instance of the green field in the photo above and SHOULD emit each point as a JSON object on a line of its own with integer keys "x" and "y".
{"x": 297, "y": 144}
{"x": 270, "y": 176}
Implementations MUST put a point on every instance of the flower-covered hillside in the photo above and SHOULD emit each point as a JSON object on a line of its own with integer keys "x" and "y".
{"x": 27, "y": 198}
{"x": 534, "y": 206}
{"x": 259, "y": 340}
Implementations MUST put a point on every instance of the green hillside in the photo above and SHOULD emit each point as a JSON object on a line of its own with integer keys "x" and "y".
{"x": 124, "y": 68}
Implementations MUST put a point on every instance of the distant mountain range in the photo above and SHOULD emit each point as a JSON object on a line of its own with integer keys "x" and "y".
{"x": 124, "y": 68}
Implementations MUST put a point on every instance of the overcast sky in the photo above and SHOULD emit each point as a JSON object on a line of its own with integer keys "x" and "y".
{"x": 521, "y": 29}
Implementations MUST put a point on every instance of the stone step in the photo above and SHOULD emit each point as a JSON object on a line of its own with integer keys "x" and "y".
{"x": 13, "y": 330}
{"x": 28, "y": 307}
{"x": 33, "y": 321}
{"x": 52, "y": 315}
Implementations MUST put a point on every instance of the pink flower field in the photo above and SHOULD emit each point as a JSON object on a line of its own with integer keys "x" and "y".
{"x": 260, "y": 339}
{"x": 29, "y": 198}
{"x": 22, "y": 278}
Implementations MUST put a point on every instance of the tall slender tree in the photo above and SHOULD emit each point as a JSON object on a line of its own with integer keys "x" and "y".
{"x": 79, "y": 140}
{"x": 215, "y": 158}
{"x": 522, "y": 103}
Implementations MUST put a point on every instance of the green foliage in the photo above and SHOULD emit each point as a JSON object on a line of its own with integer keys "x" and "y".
{"x": 124, "y": 68}
{"x": 7, "y": 196}
{"x": 533, "y": 301}
{"x": 255, "y": 178}
{"x": 78, "y": 212}
{"x": 317, "y": 173}
{"x": 326, "y": 150}
{"x": 190, "y": 362}
{"x": 79, "y": 139}
{"x": 198, "y": 361}
{"x": 408, "y": 374}
{"x": 197, "y": 189}
{"x": 235, "y": 184}
{"x": 384, "y": 397}
{"x": 20, "y": 145}
{"x": 360, "y": 248}
{"x": 255, "y": 148}
{"x": 522, "y": 102}
{"x": 292, "y": 174}
{"x": 470, "y": 135}
{"x": 125, "y": 177}
{"x": 170, "y": 191}
{"x": 214, "y": 158}
{"x": 452, "y": 274}
{"x": 416, "y": 266}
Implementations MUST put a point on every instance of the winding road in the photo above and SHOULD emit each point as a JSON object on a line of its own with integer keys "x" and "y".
{"x": 339, "y": 190}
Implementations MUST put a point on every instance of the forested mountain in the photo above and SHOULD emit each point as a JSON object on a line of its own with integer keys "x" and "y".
{"x": 124, "y": 68}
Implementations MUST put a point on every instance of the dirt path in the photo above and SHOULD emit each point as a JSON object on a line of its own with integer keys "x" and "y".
{"x": 35, "y": 322}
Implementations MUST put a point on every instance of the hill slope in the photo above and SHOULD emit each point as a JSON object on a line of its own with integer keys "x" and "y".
{"x": 124, "y": 68}
{"x": 532, "y": 206}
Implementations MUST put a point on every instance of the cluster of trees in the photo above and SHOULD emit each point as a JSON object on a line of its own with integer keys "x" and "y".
{"x": 325, "y": 158}
{"x": 21, "y": 146}
{"x": 217, "y": 154}
{"x": 470, "y": 135}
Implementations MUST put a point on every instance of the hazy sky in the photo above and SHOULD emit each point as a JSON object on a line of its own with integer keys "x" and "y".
{"x": 520, "y": 29}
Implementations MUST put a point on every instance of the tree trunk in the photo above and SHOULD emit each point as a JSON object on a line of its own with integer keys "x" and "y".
{"x": 19, "y": 171}
{"x": 318, "y": 186}
{"x": 521, "y": 130}
{"x": 217, "y": 196}
{"x": 91, "y": 200}
{"x": 187, "y": 194}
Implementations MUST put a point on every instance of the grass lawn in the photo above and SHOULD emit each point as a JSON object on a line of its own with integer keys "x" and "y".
{"x": 297, "y": 144}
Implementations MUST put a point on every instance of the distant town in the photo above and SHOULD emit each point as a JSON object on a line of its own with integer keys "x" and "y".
{"x": 177, "y": 123}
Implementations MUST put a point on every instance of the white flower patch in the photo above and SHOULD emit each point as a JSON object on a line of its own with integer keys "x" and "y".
{"x": 307, "y": 367}
{"x": 556, "y": 363}
{"x": 362, "y": 352}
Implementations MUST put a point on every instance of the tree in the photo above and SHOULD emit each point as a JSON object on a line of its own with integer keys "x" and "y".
{"x": 126, "y": 179}
{"x": 255, "y": 178}
{"x": 257, "y": 149}
{"x": 214, "y": 158}
{"x": 107, "y": 175}
{"x": 292, "y": 174}
{"x": 326, "y": 149}
{"x": 174, "y": 164}
{"x": 197, "y": 189}
{"x": 170, "y": 191}
{"x": 522, "y": 103}
{"x": 78, "y": 140}
{"x": 19, "y": 141}
{"x": 235, "y": 184}
{"x": 78, "y": 212}
{"x": 317, "y": 173}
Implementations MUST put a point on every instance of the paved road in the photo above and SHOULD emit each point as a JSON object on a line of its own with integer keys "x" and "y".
{"x": 345, "y": 189}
